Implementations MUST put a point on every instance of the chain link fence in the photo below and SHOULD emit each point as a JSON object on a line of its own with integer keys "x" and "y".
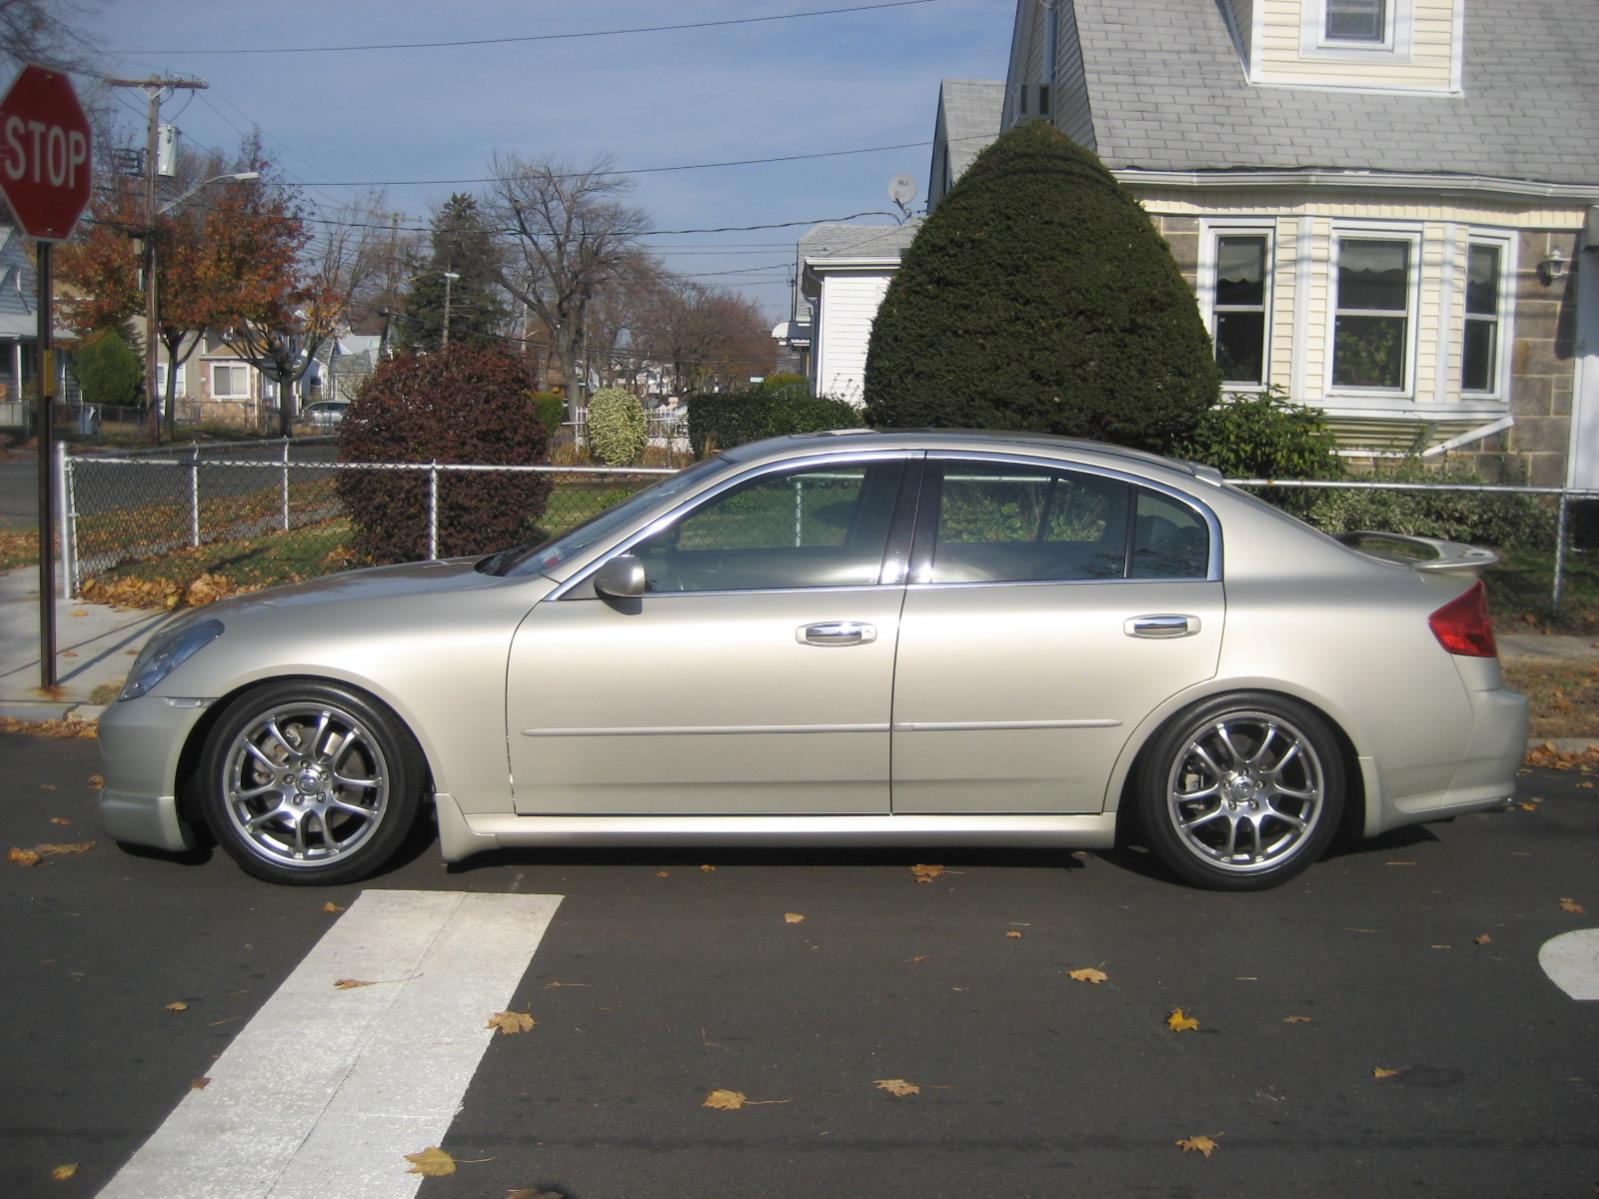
{"x": 260, "y": 513}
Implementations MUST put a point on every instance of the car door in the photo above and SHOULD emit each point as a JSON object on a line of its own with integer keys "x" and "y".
{"x": 753, "y": 677}
{"x": 1049, "y": 610}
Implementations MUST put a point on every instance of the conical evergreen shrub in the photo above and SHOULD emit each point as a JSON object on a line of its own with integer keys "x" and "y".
{"x": 1038, "y": 296}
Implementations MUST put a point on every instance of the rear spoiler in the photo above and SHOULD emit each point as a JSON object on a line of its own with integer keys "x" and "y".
{"x": 1427, "y": 555}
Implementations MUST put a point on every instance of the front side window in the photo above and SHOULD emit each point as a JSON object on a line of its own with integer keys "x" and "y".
{"x": 1479, "y": 368}
{"x": 1371, "y": 326}
{"x": 1240, "y": 307}
{"x": 1004, "y": 522}
{"x": 1356, "y": 21}
{"x": 230, "y": 381}
{"x": 823, "y": 526}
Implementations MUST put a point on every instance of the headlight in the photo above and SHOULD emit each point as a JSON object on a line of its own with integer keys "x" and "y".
{"x": 165, "y": 653}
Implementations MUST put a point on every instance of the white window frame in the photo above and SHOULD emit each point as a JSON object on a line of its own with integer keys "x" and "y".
{"x": 1399, "y": 19}
{"x": 1505, "y": 243}
{"x": 231, "y": 365}
{"x": 1211, "y": 231}
{"x": 1411, "y": 232}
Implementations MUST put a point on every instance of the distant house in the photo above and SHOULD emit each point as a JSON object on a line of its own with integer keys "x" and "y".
{"x": 19, "y": 330}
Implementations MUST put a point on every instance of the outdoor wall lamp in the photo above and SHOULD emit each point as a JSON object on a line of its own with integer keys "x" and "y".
{"x": 1554, "y": 267}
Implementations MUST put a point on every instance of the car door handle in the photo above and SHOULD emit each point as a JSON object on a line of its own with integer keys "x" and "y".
{"x": 1161, "y": 626}
{"x": 836, "y": 632}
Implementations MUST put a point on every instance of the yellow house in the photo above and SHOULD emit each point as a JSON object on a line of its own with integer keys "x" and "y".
{"x": 1386, "y": 208}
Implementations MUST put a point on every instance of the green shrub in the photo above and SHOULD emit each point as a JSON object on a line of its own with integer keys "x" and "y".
{"x": 789, "y": 384}
{"x": 551, "y": 406}
{"x": 465, "y": 404}
{"x": 618, "y": 430}
{"x": 729, "y": 418}
{"x": 1506, "y": 521}
{"x": 108, "y": 370}
{"x": 1038, "y": 296}
{"x": 1264, "y": 437}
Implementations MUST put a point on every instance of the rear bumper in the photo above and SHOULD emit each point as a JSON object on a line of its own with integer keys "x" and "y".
{"x": 141, "y": 741}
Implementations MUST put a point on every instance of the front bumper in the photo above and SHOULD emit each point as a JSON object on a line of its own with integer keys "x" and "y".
{"x": 141, "y": 742}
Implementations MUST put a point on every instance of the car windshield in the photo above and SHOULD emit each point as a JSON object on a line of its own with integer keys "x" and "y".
{"x": 538, "y": 557}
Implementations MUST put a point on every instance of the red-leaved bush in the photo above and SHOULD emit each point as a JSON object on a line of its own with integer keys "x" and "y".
{"x": 464, "y": 404}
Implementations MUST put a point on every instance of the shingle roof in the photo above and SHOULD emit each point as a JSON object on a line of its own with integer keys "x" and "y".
{"x": 1168, "y": 92}
{"x": 972, "y": 111}
{"x": 857, "y": 241}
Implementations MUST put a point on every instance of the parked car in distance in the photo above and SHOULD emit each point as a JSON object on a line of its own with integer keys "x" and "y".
{"x": 918, "y": 638}
{"x": 323, "y": 414}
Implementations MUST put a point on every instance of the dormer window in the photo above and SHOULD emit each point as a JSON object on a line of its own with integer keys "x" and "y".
{"x": 1360, "y": 21}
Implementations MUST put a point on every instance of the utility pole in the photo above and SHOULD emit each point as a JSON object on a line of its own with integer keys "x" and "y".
{"x": 449, "y": 278}
{"x": 153, "y": 88}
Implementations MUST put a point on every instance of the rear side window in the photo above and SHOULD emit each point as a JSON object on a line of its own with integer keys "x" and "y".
{"x": 1170, "y": 541}
{"x": 1005, "y": 522}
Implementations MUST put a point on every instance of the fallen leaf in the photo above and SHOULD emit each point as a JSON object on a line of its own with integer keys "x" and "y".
{"x": 1440, "y": 947}
{"x": 1296, "y": 1020}
{"x": 22, "y": 857}
{"x": 1485, "y": 939}
{"x": 80, "y": 612}
{"x": 921, "y": 957}
{"x": 1181, "y": 1021}
{"x": 50, "y": 728}
{"x": 69, "y": 653}
{"x": 177, "y": 1006}
{"x": 1088, "y": 975}
{"x": 31, "y": 857}
{"x": 1384, "y": 1072}
{"x": 511, "y": 1023}
{"x": 350, "y": 984}
{"x": 707, "y": 869}
{"x": 898, "y": 1086}
{"x": 330, "y": 907}
{"x": 1528, "y": 807}
{"x": 926, "y": 874}
{"x": 1014, "y": 935}
{"x": 432, "y": 1162}
{"x": 47, "y": 786}
{"x": 1201, "y": 1145}
{"x": 61, "y": 821}
{"x": 793, "y": 918}
{"x": 97, "y": 780}
{"x": 62, "y": 1173}
{"x": 199, "y": 1084}
{"x": 1402, "y": 862}
{"x": 1569, "y": 905}
{"x": 731, "y": 1101}
{"x": 663, "y": 874}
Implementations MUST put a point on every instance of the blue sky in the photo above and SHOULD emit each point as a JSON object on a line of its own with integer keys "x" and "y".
{"x": 802, "y": 86}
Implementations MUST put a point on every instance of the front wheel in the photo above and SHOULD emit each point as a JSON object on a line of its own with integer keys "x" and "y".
{"x": 1242, "y": 792}
{"x": 309, "y": 783}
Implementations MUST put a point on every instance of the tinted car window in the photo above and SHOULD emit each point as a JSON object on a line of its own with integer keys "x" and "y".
{"x": 1002, "y": 522}
{"x": 825, "y": 526}
{"x": 1170, "y": 541}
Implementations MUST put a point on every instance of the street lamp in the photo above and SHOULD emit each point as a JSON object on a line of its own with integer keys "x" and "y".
{"x": 150, "y": 335}
{"x": 449, "y": 278}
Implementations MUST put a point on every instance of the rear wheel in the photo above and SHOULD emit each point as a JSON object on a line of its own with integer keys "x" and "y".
{"x": 1242, "y": 792}
{"x": 307, "y": 783}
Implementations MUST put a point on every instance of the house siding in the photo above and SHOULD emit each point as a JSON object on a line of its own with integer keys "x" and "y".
{"x": 1284, "y": 56}
{"x": 849, "y": 305}
{"x": 1074, "y": 114}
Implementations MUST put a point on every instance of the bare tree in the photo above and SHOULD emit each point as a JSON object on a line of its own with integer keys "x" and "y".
{"x": 52, "y": 33}
{"x": 708, "y": 337}
{"x": 571, "y": 235}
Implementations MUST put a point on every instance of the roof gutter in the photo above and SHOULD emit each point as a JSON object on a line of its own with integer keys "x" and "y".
{"x": 1476, "y": 186}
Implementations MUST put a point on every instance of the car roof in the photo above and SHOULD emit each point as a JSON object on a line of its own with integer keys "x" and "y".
{"x": 977, "y": 440}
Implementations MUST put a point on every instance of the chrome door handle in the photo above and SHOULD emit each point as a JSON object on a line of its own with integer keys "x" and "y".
{"x": 836, "y": 632}
{"x": 1161, "y": 626}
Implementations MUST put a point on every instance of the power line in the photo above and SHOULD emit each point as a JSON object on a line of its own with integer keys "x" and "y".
{"x": 540, "y": 37}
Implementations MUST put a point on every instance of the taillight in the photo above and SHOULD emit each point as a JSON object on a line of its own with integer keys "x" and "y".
{"x": 1463, "y": 627}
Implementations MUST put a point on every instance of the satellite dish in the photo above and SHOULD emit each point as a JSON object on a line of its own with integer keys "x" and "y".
{"x": 902, "y": 189}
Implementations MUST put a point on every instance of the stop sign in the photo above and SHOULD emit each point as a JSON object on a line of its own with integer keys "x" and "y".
{"x": 44, "y": 153}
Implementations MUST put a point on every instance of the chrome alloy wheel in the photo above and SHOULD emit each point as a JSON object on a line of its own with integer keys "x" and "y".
{"x": 306, "y": 784}
{"x": 1246, "y": 791}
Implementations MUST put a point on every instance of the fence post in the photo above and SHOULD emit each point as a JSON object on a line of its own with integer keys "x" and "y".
{"x": 285, "y": 484}
{"x": 194, "y": 495}
{"x": 64, "y": 511}
{"x": 433, "y": 512}
{"x": 1560, "y": 553}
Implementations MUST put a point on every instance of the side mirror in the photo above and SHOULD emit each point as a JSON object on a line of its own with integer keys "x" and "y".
{"x": 620, "y": 578}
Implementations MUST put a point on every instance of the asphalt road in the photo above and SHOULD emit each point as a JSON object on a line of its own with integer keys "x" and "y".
{"x": 658, "y": 982}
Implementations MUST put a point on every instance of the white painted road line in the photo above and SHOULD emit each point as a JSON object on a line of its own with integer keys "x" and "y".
{"x": 322, "y": 1094}
{"x": 1572, "y": 961}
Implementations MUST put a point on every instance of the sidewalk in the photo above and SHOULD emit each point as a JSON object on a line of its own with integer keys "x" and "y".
{"x": 95, "y": 646}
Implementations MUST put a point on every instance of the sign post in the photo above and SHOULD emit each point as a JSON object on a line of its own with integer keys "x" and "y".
{"x": 45, "y": 164}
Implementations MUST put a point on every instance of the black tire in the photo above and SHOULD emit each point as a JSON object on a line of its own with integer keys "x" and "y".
{"x": 1241, "y": 792}
{"x": 310, "y": 783}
